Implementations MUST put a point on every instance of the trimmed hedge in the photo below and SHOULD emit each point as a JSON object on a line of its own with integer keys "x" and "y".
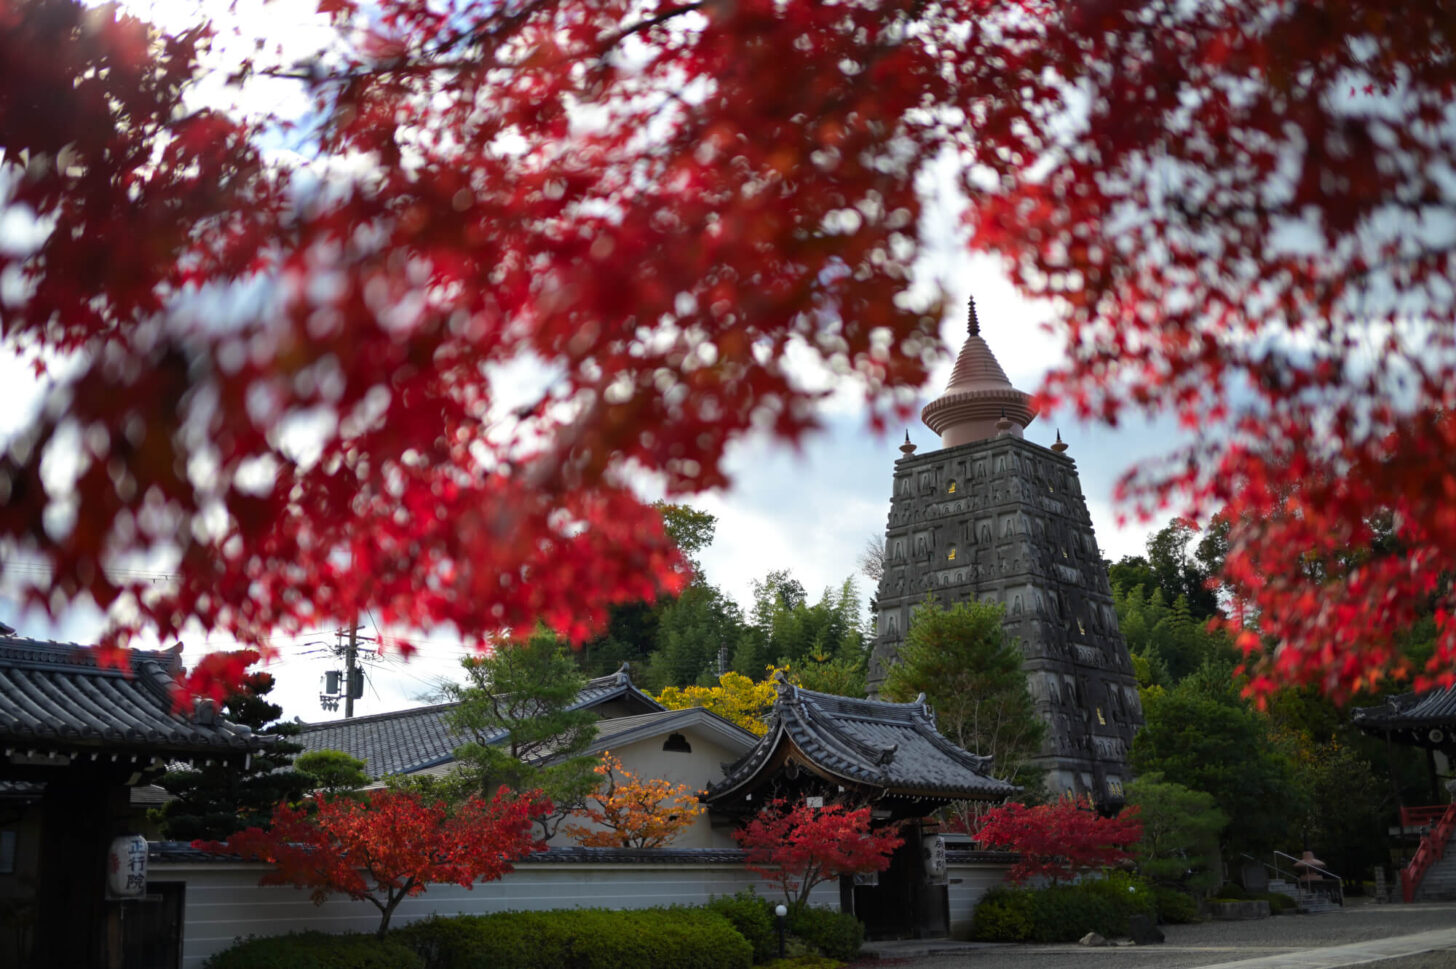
{"x": 1062, "y": 913}
{"x": 837, "y": 935}
{"x": 315, "y": 950}
{"x": 1175, "y": 907}
{"x": 661, "y": 938}
{"x": 752, "y": 915}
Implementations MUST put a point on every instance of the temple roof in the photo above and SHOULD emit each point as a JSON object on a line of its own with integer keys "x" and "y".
{"x": 978, "y": 396}
{"x": 407, "y": 741}
{"x": 57, "y": 701}
{"x": 620, "y": 731}
{"x": 1410, "y": 711}
{"x": 893, "y": 747}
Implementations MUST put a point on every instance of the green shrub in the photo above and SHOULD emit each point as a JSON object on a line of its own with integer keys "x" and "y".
{"x": 1063, "y": 913}
{"x": 1229, "y": 892}
{"x": 661, "y": 938}
{"x": 1279, "y": 903}
{"x": 1004, "y": 915}
{"x": 484, "y": 941}
{"x": 1128, "y": 896}
{"x": 803, "y": 962}
{"x": 752, "y": 915}
{"x": 315, "y": 950}
{"x": 1175, "y": 907}
{"x": 837, "y": 935}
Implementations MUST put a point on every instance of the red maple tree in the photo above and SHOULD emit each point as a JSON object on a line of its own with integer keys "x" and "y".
{"x": 637, "y": 209}
{"x": 1237, "y": 208}
{"x": 1241, "y": 211}
{"x": 391, "y": 846}
{"x": 1060, "y": 840}
{"x": 796, "y": 846}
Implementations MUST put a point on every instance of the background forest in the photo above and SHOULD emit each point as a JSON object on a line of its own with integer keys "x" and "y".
{"x": 1219, "y": 775}
{"x": 1291, "y": 775}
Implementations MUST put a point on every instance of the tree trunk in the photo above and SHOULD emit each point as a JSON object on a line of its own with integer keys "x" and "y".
{"x": 386, "y": 910}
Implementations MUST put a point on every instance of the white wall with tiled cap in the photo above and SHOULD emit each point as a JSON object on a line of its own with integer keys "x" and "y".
{"x": 224, "y": 901}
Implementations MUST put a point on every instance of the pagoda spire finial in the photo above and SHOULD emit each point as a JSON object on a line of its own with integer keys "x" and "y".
{"x": 978, "y": 391}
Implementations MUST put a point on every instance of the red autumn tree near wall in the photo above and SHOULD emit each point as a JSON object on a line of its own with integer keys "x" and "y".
{"x": 796, "y": 846}
{"x": 391, "y": 847}
{"x": 1060, "y": 840}
{"x": 1242, "y": 210}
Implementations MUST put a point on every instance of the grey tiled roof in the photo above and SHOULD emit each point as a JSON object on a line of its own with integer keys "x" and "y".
{"x": 407, "y": 741}
{"x": 1432, "y": 708}
{"x": 55, "y": 697}
{"x": 626, "y": 730}
{"x": 892, "y": 746}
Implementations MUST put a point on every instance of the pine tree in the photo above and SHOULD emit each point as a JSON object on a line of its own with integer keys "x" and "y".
{"x": 973, "y": 679}
{"x": 516, "y": 708}
{"x": 216, "y": 800}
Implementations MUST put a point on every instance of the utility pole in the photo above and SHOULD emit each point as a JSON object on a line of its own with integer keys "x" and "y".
{"x": 351, "y": 670}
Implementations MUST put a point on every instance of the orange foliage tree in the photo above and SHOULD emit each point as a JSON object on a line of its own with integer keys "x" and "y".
{"x": 390, "y": 847}
{"x": 796, "y": 846}
{"x": 1062, "y": 839}
{"x": 635, "y": 813}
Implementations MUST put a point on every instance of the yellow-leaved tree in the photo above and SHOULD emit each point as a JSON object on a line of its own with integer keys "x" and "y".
{"x": 634, "y": 813}
{"x": 735, "y": 698}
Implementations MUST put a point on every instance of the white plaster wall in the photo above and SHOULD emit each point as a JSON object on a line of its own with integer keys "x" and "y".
{"x": 967, "y": 883}
{"x": 224, "y": 901}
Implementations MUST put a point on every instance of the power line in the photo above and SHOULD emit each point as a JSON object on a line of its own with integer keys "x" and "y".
{"x": 38, "y": 567}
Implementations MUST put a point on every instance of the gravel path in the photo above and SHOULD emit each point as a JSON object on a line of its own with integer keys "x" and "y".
{"x": 1214, "y": 943}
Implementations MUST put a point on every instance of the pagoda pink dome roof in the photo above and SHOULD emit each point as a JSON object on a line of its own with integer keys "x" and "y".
{"x": 977, "y": 397}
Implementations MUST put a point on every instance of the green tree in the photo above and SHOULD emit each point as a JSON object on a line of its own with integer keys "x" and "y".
{"x": 1177, "y": 566}
{"x": 1181, "y": 828}
{"x": 842, "y": 675}
{"x": 691, "y": 529}
{"x": 516, "y": 707}
{"x": 973, "y": 679}
{"x": 332, "y": 771}
{"x": 636, "y": 633}
{"x": 1173, "y": 641}
{"x": 784, "y": 629}
{"x": 214, "y": 801}
{"x": 690, "y": 632}
{"x": 1345, "y": 821}
{"x": 1203, "y": 735}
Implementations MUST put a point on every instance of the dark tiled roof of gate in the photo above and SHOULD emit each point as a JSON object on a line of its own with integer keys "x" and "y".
{"x": 886, "y": 745}
{"x": 1427, "y": 709}
{"x": 413, "y": 740}
{"x": 56, "y": 697}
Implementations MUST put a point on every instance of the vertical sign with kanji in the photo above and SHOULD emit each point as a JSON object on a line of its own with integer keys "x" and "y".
{"x": 126, "y": 867}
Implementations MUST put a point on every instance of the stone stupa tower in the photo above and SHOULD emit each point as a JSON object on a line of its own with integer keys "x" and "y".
{"x": 993, "y": 517}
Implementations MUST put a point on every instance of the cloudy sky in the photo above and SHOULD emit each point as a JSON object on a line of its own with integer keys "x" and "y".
{"x": 810, "y": 511}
